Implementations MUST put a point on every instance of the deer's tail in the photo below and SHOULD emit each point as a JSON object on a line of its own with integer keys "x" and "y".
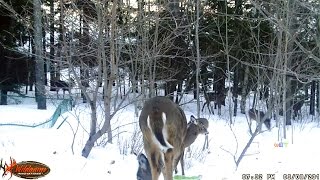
{"x": 159, "y": 132}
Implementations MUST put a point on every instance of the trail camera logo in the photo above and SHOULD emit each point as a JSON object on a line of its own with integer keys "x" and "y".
{"x": 7, "y": 168}
{"x": 24, "y": 169}
{"x": 2, "y": 167}
{"x": 281, "y": 144}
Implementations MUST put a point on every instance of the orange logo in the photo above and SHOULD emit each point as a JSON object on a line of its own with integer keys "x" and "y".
{"x": 25, "y": 169}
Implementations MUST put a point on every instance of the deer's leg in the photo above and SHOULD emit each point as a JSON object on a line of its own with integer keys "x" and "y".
{"x": 211, "y": 109}
{"x": 203, "y": 106}
{"x": 219, "y": 109}
{"x": 177, "y": 162}
{"x": 182, "y": 162}
{"x": 155, "y": 164}
{"x": 168, "y": 167}
{"x": 206, "y": 143}
{"x": 176, "y": 165}
{"x": 300, "y": 115}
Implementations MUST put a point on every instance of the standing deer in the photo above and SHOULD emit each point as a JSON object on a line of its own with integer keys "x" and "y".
{"x": 297, "y": 107}
{"x": 258, "y": 116}
{"x": 59, "y": 84}
{"x": 219, "y": 99}
{"x": 164, "y": 127}
{"x": 194, "y": 128}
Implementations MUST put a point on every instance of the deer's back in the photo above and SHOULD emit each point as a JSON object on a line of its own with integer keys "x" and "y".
{"x": 255, "y": 114}
{"x": 298, "y": 105}
{"x": 176, "y": 123}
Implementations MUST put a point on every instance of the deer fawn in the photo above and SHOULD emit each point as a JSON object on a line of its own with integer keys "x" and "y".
{"x": 258, "y": 116}
{"x": 219, "y": 99}
{"x": 194, "y": 128}
{"x": 164, "y": 127}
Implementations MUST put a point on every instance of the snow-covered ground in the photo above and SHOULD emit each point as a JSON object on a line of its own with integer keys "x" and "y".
{"x": 57, "y": 147}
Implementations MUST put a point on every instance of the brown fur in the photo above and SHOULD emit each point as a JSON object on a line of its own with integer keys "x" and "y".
{"x": 297, "y": 107}
{"x": 65, "y": 86}
{"x": 258, "y": 116}
{"x": 219, "y": 99}
{"x": 160, "y": 154}
{"x": 195, "y": 127}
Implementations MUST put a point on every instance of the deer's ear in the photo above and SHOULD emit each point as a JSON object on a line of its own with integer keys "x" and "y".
{"x": 192, "y": 118}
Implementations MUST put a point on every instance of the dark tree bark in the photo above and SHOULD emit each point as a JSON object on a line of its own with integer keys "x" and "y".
{"x": 86, "y": 59}
{"x": 244, "y": 90}
{"x": 45, "y": 70}
{"x": 51, "y": 53}
{"x": 235, "y": 91}
{"x": 289, "y": 100}
{"x": 3, "y": 97}
{"x": 195, "y": 90}
{"x": 170, "y": 88}
{"x": 313, "y": 98}
{"x": 40, "y": 87}
{"x": 318, "y": 96}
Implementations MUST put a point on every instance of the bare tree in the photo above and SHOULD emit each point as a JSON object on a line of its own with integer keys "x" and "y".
{"x": 40, "y": 86}
{"x": 51, "y": 54}
{"x": 198, "y": 55}
{"x": 109, "y": 76}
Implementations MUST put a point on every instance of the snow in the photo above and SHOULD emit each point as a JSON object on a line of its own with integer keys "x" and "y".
{"x": 58, "y": 149}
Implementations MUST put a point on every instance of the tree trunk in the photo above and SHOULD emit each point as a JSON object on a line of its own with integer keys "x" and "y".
{"x": 235, "y": 91}
{"x": 3, "y": 97}
{"x": 238, "y": 11}
{"x": 109, "y": 76}
{"x": 51, "y": 53}
{"x": 90, "y": 143}
{"x": 45, "y": 69}
{"x": 318, "y": 97}
{"x": 84, "y": 71}
{"x": 198, "y": 55}
{"x": 113, "y": 65}
{"x": 170, "y": 87}
{"x": 289, "y": 101}
{"x": 153, "y": 84}
{"x": 244, "y": 91}
{"x": 40, "y": 87}
{"x": 195, "y": 91}
{"x": 313, "y": 98}
{"x": 93, "y": 114}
